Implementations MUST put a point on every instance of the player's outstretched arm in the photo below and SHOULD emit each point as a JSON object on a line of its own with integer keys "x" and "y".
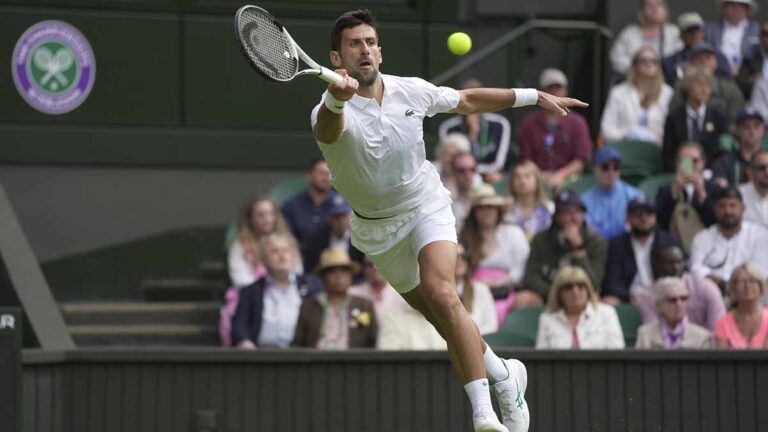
{"x": 481, "y": 100}
{"x": 330, "y": 117}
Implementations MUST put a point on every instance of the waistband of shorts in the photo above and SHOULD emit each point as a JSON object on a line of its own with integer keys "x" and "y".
{"x": 370, "y": 218}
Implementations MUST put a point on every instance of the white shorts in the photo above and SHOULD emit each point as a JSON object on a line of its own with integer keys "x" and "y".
{"x": 393, "y": 244}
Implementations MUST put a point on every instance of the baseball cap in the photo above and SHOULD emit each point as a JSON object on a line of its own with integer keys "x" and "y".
{"x": 568, "y": 198}
{"x": 749, "y": 113}
{"x": 552, "y": 76}
{"x": 640, "y": 203}
{"x": 606, "y": 154}
{"x": 339, "y": 206}
{"x": 689, "y": 20}
{"x": 704, "y": 47}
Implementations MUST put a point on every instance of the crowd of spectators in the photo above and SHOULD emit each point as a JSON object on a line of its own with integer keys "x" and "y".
{"x": 698, "y": 247}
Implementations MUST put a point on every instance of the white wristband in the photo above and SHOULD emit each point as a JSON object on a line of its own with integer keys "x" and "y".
{"x": 525, "y": 97}
{"x": 334, "y": 105}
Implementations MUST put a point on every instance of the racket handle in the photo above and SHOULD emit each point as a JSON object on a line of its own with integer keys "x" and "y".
{"x": 329, "y": 76}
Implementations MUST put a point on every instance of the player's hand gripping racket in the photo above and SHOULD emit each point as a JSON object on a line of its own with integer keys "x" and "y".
{"x": 271, "y": 50}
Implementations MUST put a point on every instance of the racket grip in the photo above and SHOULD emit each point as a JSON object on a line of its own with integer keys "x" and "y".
{"x": 329, "y": 76}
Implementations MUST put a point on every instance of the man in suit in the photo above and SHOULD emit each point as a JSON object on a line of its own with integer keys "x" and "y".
{"x": 672, "y": 330}
{"x": 754, "y": 66}
{"x": 628, "y": 269}
{"x": 334, "y": 319}
{"x": 268, "y": 309}
{"x": 697, "y": 120}
{"x": 334, "y": 234}
{"x": 735, "y": 34}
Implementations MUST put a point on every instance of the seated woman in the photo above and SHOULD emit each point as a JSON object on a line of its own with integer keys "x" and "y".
{"x": 673, "y": 329}
{"x": 497, "y": 252}
{"x": 531, "y": 209}
{"x": 475, "y": 296}
{"x": 746, "y": 326}
{"x": 575, "y": 318}
{"x": 259, "y": 217}
{"x": 637, "y": 108}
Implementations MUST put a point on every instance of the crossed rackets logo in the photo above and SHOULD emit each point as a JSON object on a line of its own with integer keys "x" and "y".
{"x": 52, "y": 67}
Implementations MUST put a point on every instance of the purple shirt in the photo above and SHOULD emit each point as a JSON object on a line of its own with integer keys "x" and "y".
{"x": 552, "y": 148}
{"x": 673, "y": 337}
{"x": 539, "y": 219}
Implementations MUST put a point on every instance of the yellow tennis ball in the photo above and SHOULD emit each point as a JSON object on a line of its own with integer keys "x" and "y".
{"x": 459, "y": 43}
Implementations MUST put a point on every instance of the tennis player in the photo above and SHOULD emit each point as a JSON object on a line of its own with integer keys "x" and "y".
{"x": 369, "y": 129}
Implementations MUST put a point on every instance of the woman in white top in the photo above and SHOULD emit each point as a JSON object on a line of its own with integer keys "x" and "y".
{"x": 637, "y": 108}
{"x": 652, "y": 31}
{"x": 258, "y": 217}
{"x": 575, "y": 318}
{"x": 497, "y": 252}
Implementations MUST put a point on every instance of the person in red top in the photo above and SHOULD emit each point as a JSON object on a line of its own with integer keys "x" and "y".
{"x": 559, "y": 145}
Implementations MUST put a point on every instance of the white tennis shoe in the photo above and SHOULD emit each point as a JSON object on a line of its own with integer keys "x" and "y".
{"x": 511, "y": 396}
{"x": 487, "y": 422}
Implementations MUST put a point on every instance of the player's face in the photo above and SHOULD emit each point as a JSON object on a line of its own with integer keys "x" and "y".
{"x": 359, "y": 53}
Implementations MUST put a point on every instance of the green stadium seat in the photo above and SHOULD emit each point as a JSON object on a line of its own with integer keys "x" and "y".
{"x": 630, "y": 320}
{"x": 581, "y": 184}
{"x": 287, "y": 188}
{"x": 519, "y": 330}
{"x": 639, "y": 159}
{"x": 651, "y": 185}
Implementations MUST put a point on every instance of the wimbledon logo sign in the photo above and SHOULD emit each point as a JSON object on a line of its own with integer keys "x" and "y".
{"x": 53, "y": 67}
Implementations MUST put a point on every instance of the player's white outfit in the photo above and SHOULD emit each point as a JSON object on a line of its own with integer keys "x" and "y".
{"x": 379, "y": 165}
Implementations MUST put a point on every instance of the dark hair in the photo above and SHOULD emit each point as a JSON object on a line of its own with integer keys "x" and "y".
{"x": 313, "y": 163}
{"x": 728, "y": 192}
{"x": 347, "y": 20}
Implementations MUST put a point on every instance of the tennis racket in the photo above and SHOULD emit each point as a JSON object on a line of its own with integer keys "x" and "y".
{"x": 271, "y": 50}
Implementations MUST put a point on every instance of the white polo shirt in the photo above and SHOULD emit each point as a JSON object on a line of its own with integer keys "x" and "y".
{"x": 379, "y": 163}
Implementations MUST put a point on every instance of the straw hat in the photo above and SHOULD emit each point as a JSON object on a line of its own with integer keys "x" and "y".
{"x": 485, "y": 195}
{"x": 330, "y": 258}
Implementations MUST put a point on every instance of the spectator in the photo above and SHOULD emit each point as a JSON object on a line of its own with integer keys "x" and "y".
{"x": 531, "y": 209}
{"x": 559, "y": 146}
{"x": 754, "y": 66}
{"x": 258, "y": 218}
{"x": 717, "y": 251}
{"x": 698, "y": 120}
{"x": 759, "y": 100}
{"x": 685, "y": 207}
{"x": 652, "y": 31}
{"x": 692, "y": 33}
{"x": 268, "y": 309}
{"x": 569, "y": 241}
{"x": 724, "y": 93}
{"x": 334, "y": 234}
{"x": 732, "y": 168}
{"x": 465, "y": 167}
{"x": 497, "y": 252}
{"x": 490, "y": 135}
{"x": 335, "y": 319}
{"x": 607, "y": 201}
{"x": 448, "y": 148}
{"x": 306, "y": 212}
{"x": 755, "y": 193}
{"x": 746, "y": 326}
{"x": 574, "y": 318}
{"x": 673, "y": 330}
{"x": 378, "y": 291}
{"x": 705, "y": 302}
{"x": 629, "y": 270}
{"x": 407, "y": 329}
{"x": 735, "y": 35}
{"x": 636, "y": 109}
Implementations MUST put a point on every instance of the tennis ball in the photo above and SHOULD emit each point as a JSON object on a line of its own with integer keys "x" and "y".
{"x": 459, "y": 43}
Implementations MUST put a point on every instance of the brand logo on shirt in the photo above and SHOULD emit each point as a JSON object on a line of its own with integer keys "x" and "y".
{"x": 409, "y": 112}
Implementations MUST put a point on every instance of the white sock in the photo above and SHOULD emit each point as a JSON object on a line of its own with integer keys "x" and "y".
{"x": 494, "y": 366}
{"x": 479, "y": 395}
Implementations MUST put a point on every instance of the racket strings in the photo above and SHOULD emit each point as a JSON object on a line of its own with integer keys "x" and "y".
{"x": 267, "y": 46}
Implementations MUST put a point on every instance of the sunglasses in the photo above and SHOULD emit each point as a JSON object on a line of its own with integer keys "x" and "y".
{"x": 610, "y": 166}
{"x": 761, "y": 167}
{"x": 673, "y": 300}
